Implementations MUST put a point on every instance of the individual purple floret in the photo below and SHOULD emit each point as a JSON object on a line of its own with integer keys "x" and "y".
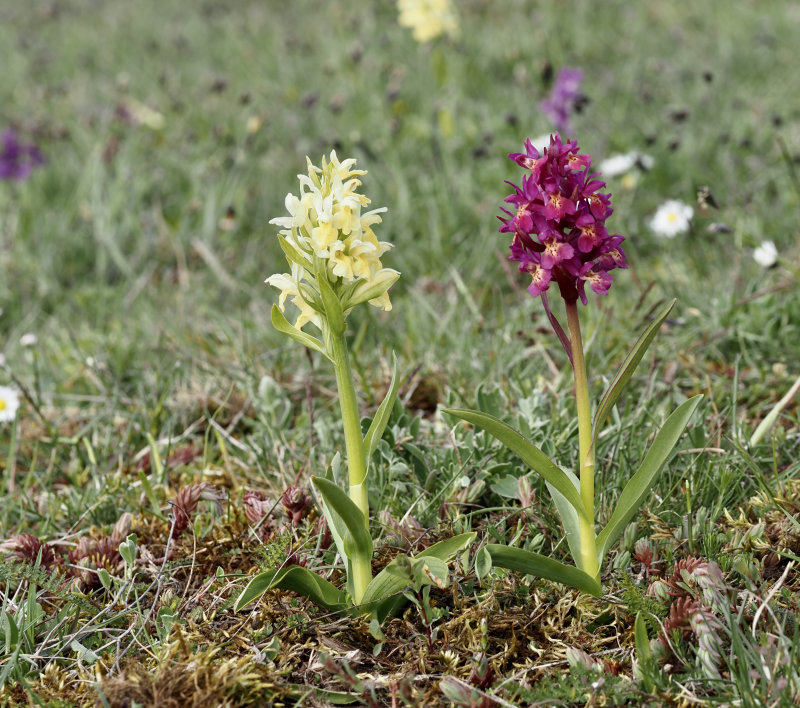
{"x": 17, "y": 159}
{"x": 562, "y": 99}
{"x": 558, "y": 222}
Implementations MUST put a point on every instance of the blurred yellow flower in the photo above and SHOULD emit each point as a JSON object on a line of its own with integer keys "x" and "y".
{"x": 428, "y": 18}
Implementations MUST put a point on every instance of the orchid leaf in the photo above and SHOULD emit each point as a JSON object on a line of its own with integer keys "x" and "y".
{"x": 639, "y": 485}
{"x": 280, "y": 323}
{"x": 295, "y": 578}
{"x": 569, "y": 517}
{"x": 382, "y": 595}
{"x": 627, "y": 368}
{"x": 541, "y": 566}
{"x": 335, "y": 524}
{"x": 357, "y": 540}
{"x": 381, "y": 419}
{"x": 333, "y": 307}
{"x": 529, "y": 453}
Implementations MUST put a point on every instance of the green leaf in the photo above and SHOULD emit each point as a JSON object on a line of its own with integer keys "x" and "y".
{"x": 483, "y": 563}
{"x": 507, "y": 487}
{"x": 639, "y": 485}
{"x": 541, "y": 566}
{"x": 292, "y": 254}
{"x": 381, "y": 419}
{"x": 333, "y": 307}
{"x": 529, "y": 453}
{"x": 295, "y": 578}
{"x": 280, "y": 323}
{"x": 569, "y": 518}
{"x": 11, "y": 631}
{"x": 357, "y": 540}
{"x": 325, "y": 696}
{"x": 446, "y": 549}
{"x": 386, "y": 585}
{"x": 627, "y": 368}
{"x": 151, "y": 495}
{"x": 335, "y": 524}
{"x": 641, "y": 639}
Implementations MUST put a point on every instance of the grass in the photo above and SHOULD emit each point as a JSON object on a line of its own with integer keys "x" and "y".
{"x": 137, "y": 254}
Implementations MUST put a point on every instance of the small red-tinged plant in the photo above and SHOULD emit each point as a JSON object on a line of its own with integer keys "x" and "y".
{"x": 644, "y": 554}
{"x": 90, "y": 555}
{"x": 186, "y": 501}
{"x": 256, "y": 506}
{"x": 296, "y": 503}
{"x": 25, "y": 547}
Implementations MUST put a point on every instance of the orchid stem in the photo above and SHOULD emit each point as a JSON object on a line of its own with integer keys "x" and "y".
{"x": 588, "y": 540}
{"x": 356, "y": 460}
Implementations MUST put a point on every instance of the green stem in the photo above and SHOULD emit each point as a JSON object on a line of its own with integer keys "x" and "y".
{"x": 586, "y": 451}
{"x": 354, "y": 446}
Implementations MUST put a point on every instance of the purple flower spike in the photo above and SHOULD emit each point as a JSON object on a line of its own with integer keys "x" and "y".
{"x": 558, "y": 222}
{"x": 562, "y": 99}
{"x": 17, "y": 160}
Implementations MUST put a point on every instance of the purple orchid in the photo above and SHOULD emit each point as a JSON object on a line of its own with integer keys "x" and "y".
{"x": 562, "y": 99}
{"x": 17, "y": 159}
{"x": 561, "y": 205}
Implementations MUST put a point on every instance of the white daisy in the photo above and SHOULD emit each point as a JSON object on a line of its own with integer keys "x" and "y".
{"x": 672, "y": 218}
{"x": 9, "y": 403}
{"x": 766, "y": 255}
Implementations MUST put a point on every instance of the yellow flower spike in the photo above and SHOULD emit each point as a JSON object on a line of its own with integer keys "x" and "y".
{"x": 325, "y": 224}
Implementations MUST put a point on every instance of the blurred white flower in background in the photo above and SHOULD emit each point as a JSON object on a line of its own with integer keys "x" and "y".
{"x": 9, "y": 403}
{"x": 766, "y": 255}
{"x": 29, "y": 339}
{"x": 672, "y": 218}
{"x": 619, "y": 164}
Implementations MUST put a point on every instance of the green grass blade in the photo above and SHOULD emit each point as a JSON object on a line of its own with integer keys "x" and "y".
{"x": 357, "y": 540}
{"x": 381, "y": 419}
{"x": 280, "y": 323}
{"x": 627, "y": 368}
{"x": 529, "y": 453}
{"x": 639, "y": 485}
{"x": 541, "y": 566}
{"x": 295, "y": 578}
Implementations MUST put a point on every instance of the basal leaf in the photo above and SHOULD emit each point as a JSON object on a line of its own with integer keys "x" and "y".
{"x": 529, "y": 453}
{"x": 569, "y": 518}
{"x": 381, "y": 594}
{"x": 541, "y": 566}
{"x": 627, "y": 368}
{"x": 639, "y": 485}
{"x": 357, "y": 541}
{"x": 295, "y": 578}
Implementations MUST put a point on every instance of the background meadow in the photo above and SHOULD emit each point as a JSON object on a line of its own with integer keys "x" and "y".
{"x": 135, "y": 255}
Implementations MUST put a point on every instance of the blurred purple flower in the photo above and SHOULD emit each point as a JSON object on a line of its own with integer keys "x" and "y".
{"x": 17, "y": 159}
{"x": 560, "y": 204}
{"x": 562, "y": 99}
